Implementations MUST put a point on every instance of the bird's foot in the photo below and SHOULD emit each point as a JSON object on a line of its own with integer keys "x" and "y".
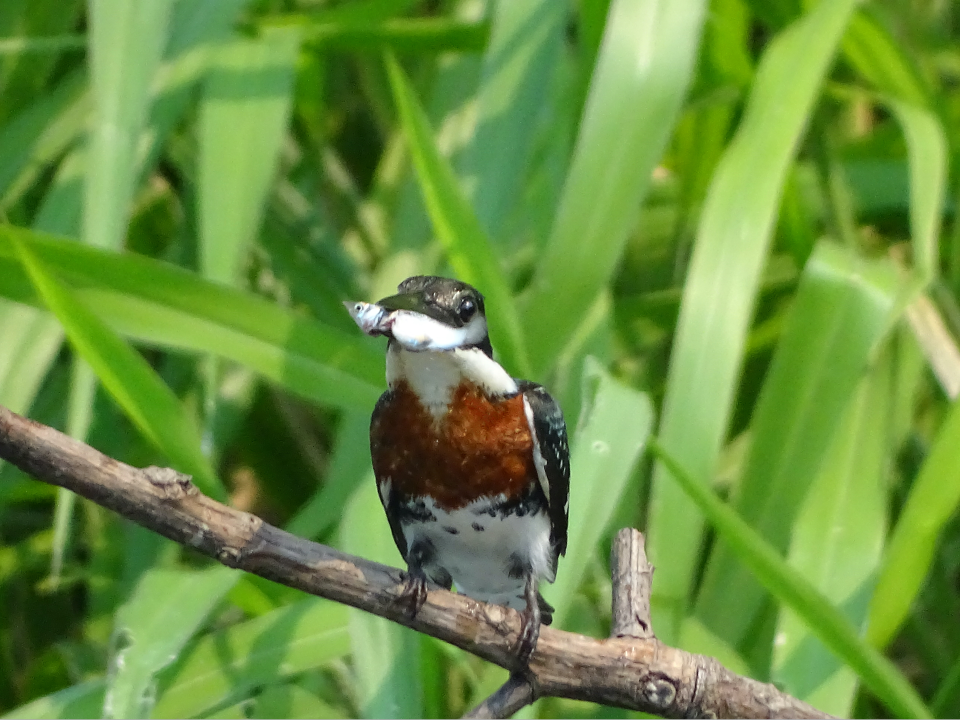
{"x": 527, "y": 639}
{"x": 530, "y": 620}
{"x": 414, "y": 593}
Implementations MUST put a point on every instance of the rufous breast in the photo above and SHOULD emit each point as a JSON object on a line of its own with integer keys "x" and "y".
{"x": 479, "y": 448}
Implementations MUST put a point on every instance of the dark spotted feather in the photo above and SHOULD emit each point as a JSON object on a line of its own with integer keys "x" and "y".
{"x": 550, "y": 432}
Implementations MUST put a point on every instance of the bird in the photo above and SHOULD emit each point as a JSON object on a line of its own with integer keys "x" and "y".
{"x": 472, "y": 465}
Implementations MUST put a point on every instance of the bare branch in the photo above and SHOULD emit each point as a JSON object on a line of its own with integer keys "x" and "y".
{"x": 637, "y": 674}
{"x": 632, "y": 576}
{"x": 514, "y": 694}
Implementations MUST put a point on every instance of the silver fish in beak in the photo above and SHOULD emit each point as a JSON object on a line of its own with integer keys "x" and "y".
{"x": 369, "y": 317}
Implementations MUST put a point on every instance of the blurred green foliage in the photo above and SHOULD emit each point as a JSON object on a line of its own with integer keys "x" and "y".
{"x": 720, "y": 222}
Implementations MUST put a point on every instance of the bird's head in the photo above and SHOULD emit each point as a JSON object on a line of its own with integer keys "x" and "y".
{"x": 428, "y": 313}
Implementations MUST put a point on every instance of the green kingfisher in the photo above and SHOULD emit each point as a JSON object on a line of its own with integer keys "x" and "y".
{"x": 472, "y": 465}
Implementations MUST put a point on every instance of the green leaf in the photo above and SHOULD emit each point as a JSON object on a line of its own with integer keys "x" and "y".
{"x": 63, "y": 203}
{"x": 518, "y": 67}
{"x": 696, "y": 637}
{"x": 29, "y": 341}
{"x": 928, "y": 156}
{"x": 243, "y": 119}
{"x": 831, "y": 627}
{"x": 224, "y": 664}
{"x": 948, "y": 694}
{"x": 349, "y": 466}
{"x": 871, "y": 48}
{"x": 289, "y": 700}
{"x": 127, "y": 38}
{"x": 83, "y": 700}
{"x": 32, "y": 140}
{"x": 639, "y": 82}
{"x": 35, "y": 34}
{"x": 931, "y": 504}
{"x": 195, "y": 29}
{"x": 229, "y": 663}
{"x": 837, "y": 543}
{"x": 359, "y": 12}
{"x": 292, "y": 701}
{"x": 876, "y": 55}
{"x": 467, "y": 246}
{"x": 842, "y": 308}
{"x": 611, "y": 433}
{"x": 721, "y": 286}
{"x": 164, "y": 611}
{"x": 162, "y": 304}
{"x": 143, "y": 396}
{"x": 416, "y": 34}
{"x": 386, "y": 656}
{"x": 245, "y": 104}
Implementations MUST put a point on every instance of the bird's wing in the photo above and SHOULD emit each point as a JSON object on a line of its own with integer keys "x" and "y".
{"x": 388, "y": 496}
{"x": 551, "y": 457}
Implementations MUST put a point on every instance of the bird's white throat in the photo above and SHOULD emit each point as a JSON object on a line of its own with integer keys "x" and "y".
{"x": 433, "y": 376}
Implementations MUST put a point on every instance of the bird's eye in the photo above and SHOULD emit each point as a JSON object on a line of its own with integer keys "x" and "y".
{"x": 467, "y": 309}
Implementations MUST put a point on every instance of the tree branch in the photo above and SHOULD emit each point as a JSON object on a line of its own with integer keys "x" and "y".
{"x": 638, "y": 674}
{"x": 514, "y": 694}
{"x": 632, "y": 577}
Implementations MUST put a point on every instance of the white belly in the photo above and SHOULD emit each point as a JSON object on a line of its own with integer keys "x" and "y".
{"x": 478, "y": 550}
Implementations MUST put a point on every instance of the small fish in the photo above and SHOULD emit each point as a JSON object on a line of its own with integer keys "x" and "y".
{"x": 369, "y": 317}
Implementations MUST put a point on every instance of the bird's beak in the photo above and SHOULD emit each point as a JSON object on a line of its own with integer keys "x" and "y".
{"x": 378, "y": 318}
{"x": 413, "y": 302}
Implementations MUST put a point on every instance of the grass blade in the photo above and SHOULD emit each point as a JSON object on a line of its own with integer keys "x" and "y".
{"x": 721, "y": 285}
{"x": 467, "y": 246}
{"x": 843, "y": 307}
{"x": 518, "y": 66}
{"x": 639, "y": 82}
{"x": 29, "y": 341}
{"x": 928, "y": 156}
{"x": 349, "y": 466}
{"x": 243, "y": 119}
{"x": 224, "y": 664}
{"x": 230, "y": 662}
{"x": 830, "y": 626}
{"x": 611, "y": 433}
{"x": 195, "y": 28}
{"x": 162, "y": 304}
{"x": 163, "y": 612}
{"x": 931, "y": 504}
{"x": 127, "y": 38}
{"x": 386, "y": 655}
{"x": 32, "y": 140}
{"x": 291, "y": 701}
{"x": 877, "y": 56}
{"x": 837, "y": 543}
{"x": 149, "y": 403}
{"x": 947, "y": 697}
{"x": 83, "y": 700}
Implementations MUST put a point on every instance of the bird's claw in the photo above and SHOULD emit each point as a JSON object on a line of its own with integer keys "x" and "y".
{"x": 414, "y": 593}
{"x": 527, "y": 639}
